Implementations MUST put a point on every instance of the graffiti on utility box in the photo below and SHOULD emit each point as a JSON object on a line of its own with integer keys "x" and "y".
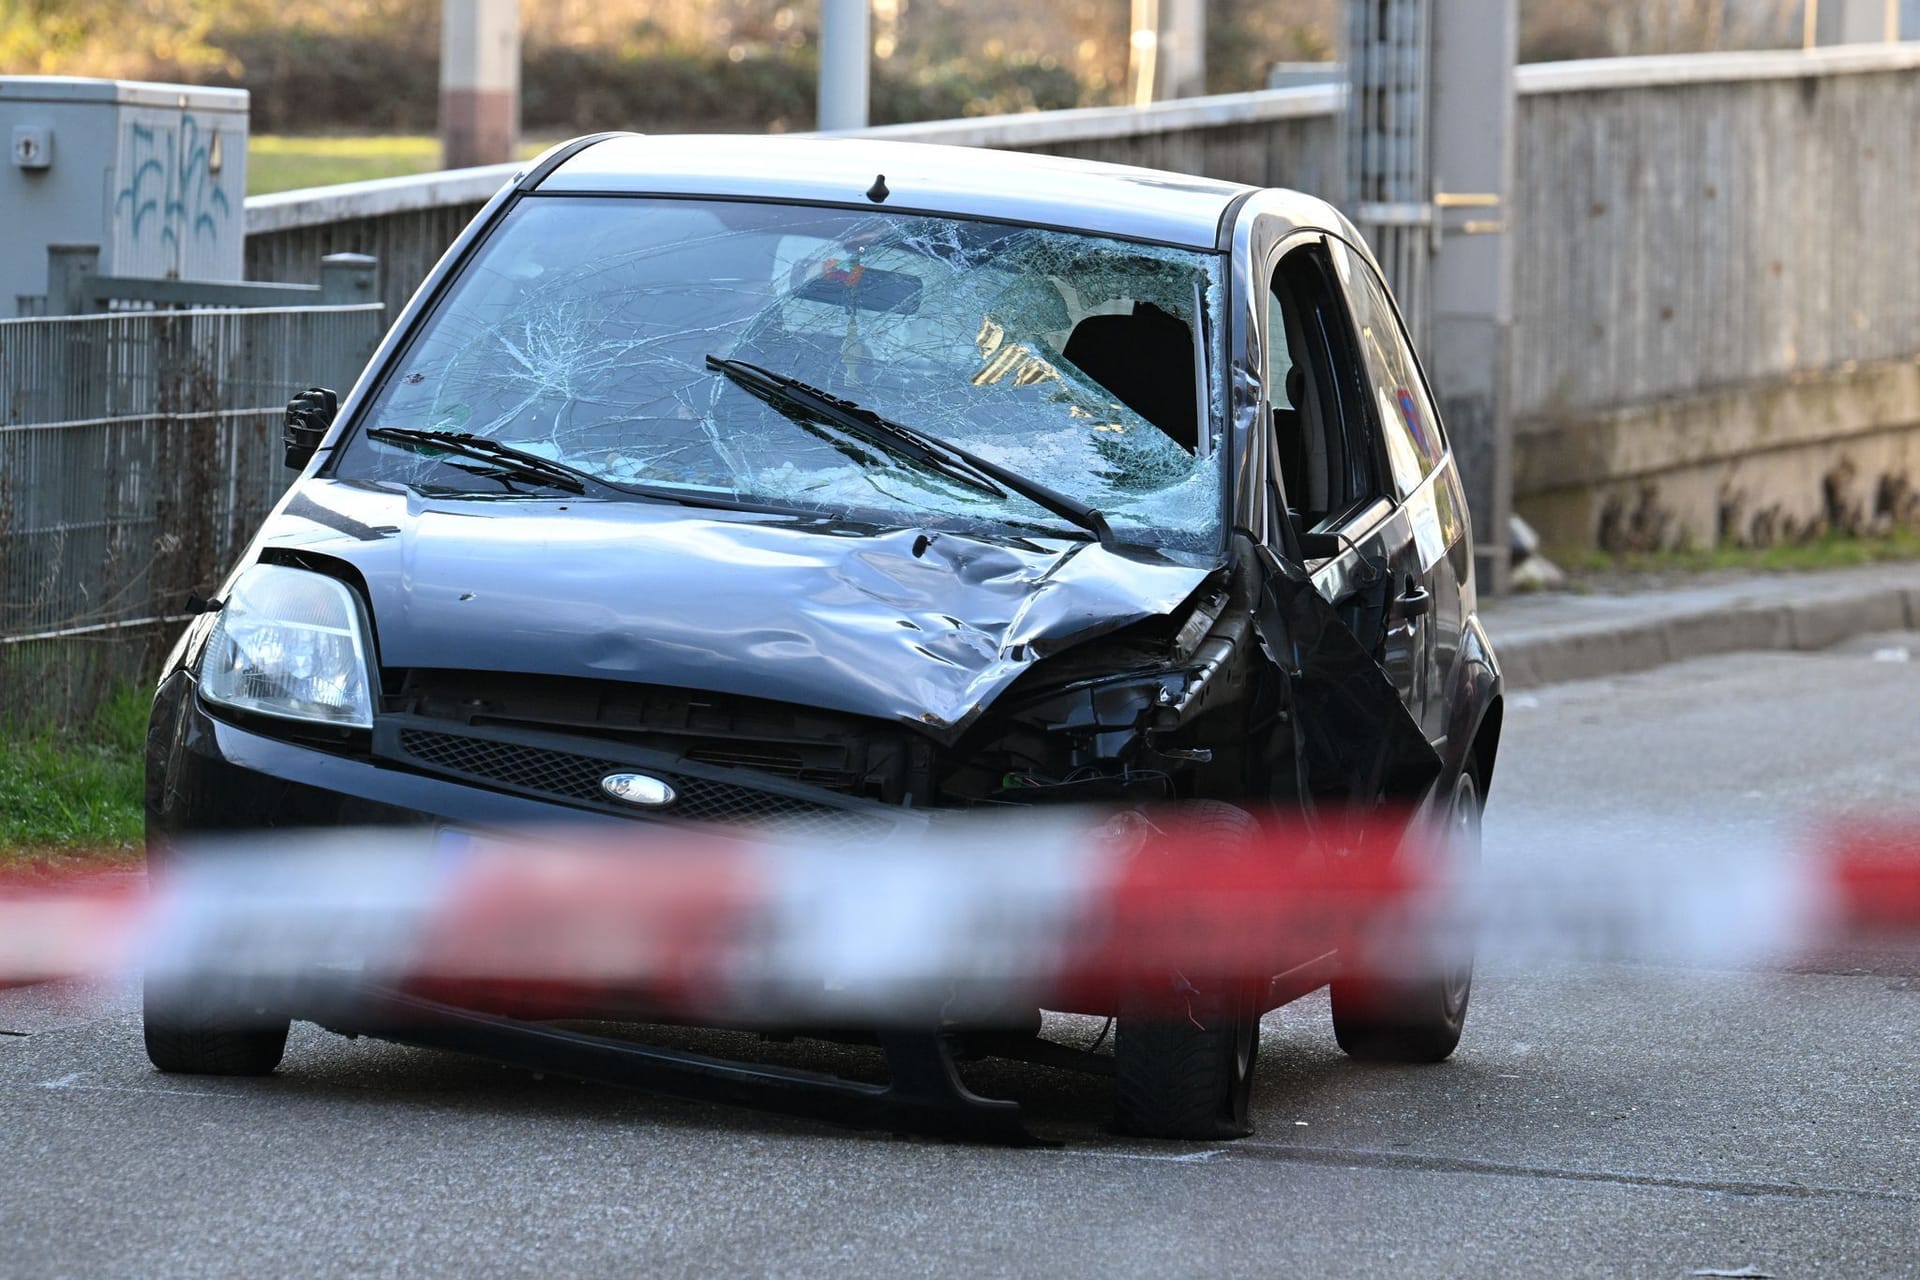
{"x": 172, "y": 207}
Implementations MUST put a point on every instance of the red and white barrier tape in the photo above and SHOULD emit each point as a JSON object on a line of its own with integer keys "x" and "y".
{"x": 1052, "y": 908}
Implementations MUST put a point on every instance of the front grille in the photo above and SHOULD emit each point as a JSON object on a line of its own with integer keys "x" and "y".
{"x": 786, "y": 764}
{"x": 564, "y": 775}
{"x": 773, "y": 760}
{"x": 754, "y": 737}
{"x": 553, "y": 773}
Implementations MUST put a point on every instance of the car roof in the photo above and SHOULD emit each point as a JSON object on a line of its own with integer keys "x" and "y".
{"x": 1085, "y": 195}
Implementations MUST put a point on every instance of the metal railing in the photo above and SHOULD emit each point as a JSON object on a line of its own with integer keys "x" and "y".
{"x": 139, "y": 451}
{"x": 1388, "y": 50}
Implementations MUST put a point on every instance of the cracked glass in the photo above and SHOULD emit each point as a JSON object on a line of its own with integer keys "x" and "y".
{"x": 581, "y": 333}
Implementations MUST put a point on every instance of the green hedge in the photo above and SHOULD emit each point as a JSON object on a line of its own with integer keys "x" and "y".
{"x": 306, "y": 82}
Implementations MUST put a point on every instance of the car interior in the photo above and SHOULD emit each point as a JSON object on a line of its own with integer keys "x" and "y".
{"x": 1146, "y": 358}
{"x": 1317, "y": 395}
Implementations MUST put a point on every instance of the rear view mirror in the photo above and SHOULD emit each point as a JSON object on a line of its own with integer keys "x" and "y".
{"x": 859, "y": 287}
{"x": 309, "y": 415}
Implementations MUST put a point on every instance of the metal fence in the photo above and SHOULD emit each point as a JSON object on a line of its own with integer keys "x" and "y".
{"x": 139, "y": 451}
{"x": 1388, "y": 52}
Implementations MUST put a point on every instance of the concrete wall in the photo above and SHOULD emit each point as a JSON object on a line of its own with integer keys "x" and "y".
{"x": 1716, "y": 272}
{"x": 1717, "y": 295}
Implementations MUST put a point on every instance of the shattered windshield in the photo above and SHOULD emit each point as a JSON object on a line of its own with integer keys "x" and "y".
{"x": 582, "y": 334}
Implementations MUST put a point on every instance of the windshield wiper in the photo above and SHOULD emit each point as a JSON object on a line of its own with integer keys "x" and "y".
{"x": 786, "y": 393}
{"x": 929, "y": 450}
{"x": 517, "y": 463}
{"x": 521, "y": 464}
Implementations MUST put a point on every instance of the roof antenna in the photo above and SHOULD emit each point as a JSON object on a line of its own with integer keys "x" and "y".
{"x": 878, "y": 192}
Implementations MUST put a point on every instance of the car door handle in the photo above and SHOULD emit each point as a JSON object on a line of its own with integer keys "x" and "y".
{"x": 1416, "y": 603}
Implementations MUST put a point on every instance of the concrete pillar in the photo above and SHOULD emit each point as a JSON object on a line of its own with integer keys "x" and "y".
{"x": 1470, "y": 316}
{"x": 846, "y": 36}
{"x": 479, "y": 81}
{"x": 349, "y": 279}
{"x": 69, "y": 268}
{"x": 1180, "y": 69}
{"x": 1854, "y": 21}
{"x": 1167, "y": 50}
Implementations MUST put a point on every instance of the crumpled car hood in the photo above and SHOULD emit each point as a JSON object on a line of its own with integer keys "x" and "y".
{"x": 731, "y": 603}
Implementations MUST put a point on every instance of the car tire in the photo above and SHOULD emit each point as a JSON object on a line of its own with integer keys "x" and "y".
{"x": 1417, "y": 1019}
{"x": 1190, "y": 1075}
{"x": 190, "y": 1032}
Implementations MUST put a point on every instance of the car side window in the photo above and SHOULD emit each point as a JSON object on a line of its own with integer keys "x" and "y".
{"x": 1318, "y": 393}
{"x": 1409, "y": 427}
{"x": 1282, "y": 392}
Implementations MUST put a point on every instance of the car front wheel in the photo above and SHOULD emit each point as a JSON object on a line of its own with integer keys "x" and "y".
{"x": 191, "y": 1031}
{"x": 1416, "y": 1017}
{"x": 1183, "y": 1058}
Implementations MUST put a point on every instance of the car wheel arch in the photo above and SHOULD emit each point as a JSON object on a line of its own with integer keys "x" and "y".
{"x": 1477, "y": 710}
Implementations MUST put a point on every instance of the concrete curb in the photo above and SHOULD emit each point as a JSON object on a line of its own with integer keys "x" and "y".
{"x": 1588, "y": 638}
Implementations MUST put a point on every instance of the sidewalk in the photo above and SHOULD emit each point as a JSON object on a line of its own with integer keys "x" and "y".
{"x": 1555, "y": 636}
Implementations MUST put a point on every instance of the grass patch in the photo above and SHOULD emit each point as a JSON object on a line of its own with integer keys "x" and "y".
{"x": 79, "y": 794}
{"x": 1831, "y": 552}
{"x": 283, "y": 162}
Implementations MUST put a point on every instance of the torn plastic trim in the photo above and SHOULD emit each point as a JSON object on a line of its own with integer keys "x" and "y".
{"x": 1129, "y": 717}
{"x": 1354, "y": 735}
{"x": 924, "y": 1094}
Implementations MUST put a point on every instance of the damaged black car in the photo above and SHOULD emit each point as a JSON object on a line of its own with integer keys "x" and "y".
{"x": 831, "y": 483}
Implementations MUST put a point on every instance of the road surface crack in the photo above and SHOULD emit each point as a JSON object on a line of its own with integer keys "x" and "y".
{"x": 1410, "y": 1162}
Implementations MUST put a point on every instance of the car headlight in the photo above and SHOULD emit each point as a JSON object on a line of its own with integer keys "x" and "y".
{"x": 290, "y": 643}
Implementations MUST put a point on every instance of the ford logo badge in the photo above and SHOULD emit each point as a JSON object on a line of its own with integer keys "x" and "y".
{"x": 638, "y": 789}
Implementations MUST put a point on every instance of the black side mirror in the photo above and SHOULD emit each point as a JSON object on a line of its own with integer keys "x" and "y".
{"x": 309, "y": 415}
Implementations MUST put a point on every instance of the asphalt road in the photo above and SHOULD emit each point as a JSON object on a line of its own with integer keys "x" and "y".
{"x": 1599, "y": 1120}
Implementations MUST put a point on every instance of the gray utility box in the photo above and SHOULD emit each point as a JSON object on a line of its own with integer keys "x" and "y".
{"x": 155, "y": 174}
